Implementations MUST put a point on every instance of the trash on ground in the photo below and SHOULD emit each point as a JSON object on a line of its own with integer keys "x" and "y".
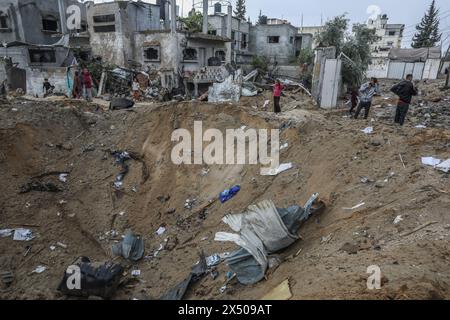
{"x": 398, "y": 219}
{"x": 229, "y": 193}
{"x": 121, "y": 159}
{"x": 431, "y": 161}
{"x": 213, "y": 260}
{"x": 136, "y": 273}
{"x": 39, "y": 186}
{"x": 6, "y": 233}
{"x": 63, "y": 177}
{"x": 39, "y": 269}
{"x": 160, "y": 231}
{"x": 263, "y": 229}
{"x": 131, "y": 248}
{"x": 444, "y": 166}
{"x": 97, "y": 279}
{"x": 23, "y": 235}
{"x": 281, "y": 292}
{"x": 368, "y": 130}
{"x": 178, "y": 291}
{"x": 276, "y": 171}
{"x": 356, "y": 207}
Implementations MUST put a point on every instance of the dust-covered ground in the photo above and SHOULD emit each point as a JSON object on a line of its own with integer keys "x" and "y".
{"x": 331, "y": 155}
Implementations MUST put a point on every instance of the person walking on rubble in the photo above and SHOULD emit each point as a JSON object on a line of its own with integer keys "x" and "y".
{"x": 87, "y": 81}
{"x": 405, "y": 90}
{"x": 136, "y": 88}
{"x": 367, "y": 91}
{"x": 277, "y": 90}
{"x": 77, "y": 86}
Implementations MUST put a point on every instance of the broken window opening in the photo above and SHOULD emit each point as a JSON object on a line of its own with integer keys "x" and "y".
{"x": 221, "y": 55}
{"x": 3, "y": 20}
{"x": 391, "y": 33}
{"x": 105, "y": 18}
{"x": 152, "y": 54}
{"x": 273, "y": 39}
{"x": 244, "y": 42}
{"x": 212, "y": 32}
{"x": 50, "y": 24}
{"x": 190, "y": 54}
{"x": 108, "y": 28}
{"x": 42, "y": 56}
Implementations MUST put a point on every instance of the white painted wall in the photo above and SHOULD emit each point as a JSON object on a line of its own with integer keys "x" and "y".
{"x": 431, "y": 69}
{"x": 379, "y": 68}
{"x": 56, "y": 76}
{"x": 331, "y": 82}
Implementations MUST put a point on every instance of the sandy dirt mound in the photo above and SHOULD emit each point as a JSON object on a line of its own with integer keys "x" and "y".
{"x": 330, "y": 154}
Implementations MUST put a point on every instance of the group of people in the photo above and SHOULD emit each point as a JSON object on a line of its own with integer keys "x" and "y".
{"x": 405, "y": 90}
{"x": 82, "y": 85}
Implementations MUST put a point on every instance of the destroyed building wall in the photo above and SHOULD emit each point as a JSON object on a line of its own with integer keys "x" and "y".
{"x": 240, "y": 30}
{"x": 378, "y": 68}
{"x": 57, "y": 77}
{"x": 33, "y": 21}
{"x": 276, "y": 42}
{"x": 112, "y": 27}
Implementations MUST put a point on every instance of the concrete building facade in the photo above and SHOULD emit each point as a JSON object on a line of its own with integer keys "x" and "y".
{"x": 278, "y": 42}
{"x": 391, "y": 36}
{"x": 35, "y": 22}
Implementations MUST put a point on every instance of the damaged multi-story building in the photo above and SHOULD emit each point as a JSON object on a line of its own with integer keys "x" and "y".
{"x": 390, "y": 37}
{"x": 149, "y": 37}
{"x": 37, "y": 42}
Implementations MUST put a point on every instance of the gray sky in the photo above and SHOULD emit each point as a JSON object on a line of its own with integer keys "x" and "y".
{"x": 408, "y": 12}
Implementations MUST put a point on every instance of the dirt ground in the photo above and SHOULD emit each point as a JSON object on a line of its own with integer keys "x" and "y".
{"x": 331, "y": 156}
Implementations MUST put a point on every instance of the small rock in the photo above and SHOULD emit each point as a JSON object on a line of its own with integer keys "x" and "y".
{"x": 350, "y": 248}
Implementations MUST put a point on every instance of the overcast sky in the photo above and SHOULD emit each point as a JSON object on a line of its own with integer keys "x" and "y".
{"x": 408, "y": 12}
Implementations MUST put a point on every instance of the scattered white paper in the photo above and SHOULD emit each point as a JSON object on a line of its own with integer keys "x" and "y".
{"x": 444, "y": 166}
{"x": 39, "y": 269}
{"x": 160, "y": 231}
{"x": 284, "y": 146}
{"x": 398, "y": 219}
{"x": 266, "y": 103}
{"x": 355, "y": 207}
{"x": 63, "y": 177}
{"x": 136, "y": 273}
{"x": 368, "y": 130}
{"x": 6, "y": 233}
{"x": 420, "y": 126}
{"x": 273, "y": 172}
{"x": 23, "y": 235}
{"x": 430, "y": 161}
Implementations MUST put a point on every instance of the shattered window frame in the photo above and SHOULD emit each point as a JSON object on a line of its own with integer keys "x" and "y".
{"x": 155, "y": 48}
{"x": 273, "y": 39}
{"x": 218, "y": 54}
{"x": 194, "y": 56}
{"x": 104, "y": 18}
{"x": 244, "y": 42}
{"x": 4, "y": 21}
{"x": 45, "y": 56}
{"x": 50, "y": 20}
{"x": 105, "y": 28}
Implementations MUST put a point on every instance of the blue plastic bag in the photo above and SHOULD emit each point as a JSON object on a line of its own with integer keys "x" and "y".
{"x": 229, "y": 193}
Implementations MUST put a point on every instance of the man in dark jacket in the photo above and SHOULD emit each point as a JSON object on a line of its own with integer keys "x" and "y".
{"x": 405, "y": 90}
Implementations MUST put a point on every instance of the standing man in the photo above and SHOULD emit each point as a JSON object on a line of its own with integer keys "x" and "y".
{"x": 87, "y": 81}
{"x": 405, "y": 90}
{"x": 367, "y": 91}
{"x": 277, "y": 90}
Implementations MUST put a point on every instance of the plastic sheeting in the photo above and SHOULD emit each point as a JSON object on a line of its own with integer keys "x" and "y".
{"x": 263, "y": 229}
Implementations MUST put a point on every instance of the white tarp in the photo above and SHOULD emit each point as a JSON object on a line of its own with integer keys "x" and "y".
{"x": 258, "y": 229}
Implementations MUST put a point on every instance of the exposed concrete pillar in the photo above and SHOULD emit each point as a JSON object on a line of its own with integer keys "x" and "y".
{"x": 62, "y": 16}
{"x": 173, "y": 16}
{"x": 205, "y": 16}
{"x": 229, "y": 33}
{"x": 166, "y": 16}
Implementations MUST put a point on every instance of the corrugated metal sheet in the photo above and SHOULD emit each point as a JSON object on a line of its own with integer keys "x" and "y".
{"x": 396, "y": 70}
{"x": 418, "y": 70}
